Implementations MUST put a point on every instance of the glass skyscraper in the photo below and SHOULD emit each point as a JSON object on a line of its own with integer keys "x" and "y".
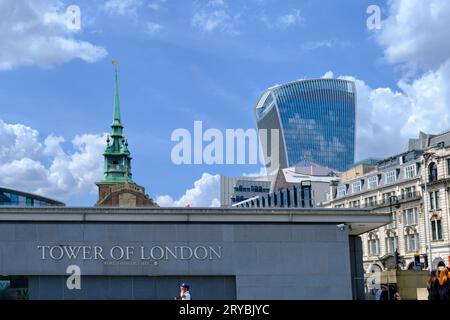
{"x": 316, "y": 121}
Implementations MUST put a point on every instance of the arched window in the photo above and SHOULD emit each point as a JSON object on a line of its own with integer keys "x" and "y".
{"x": 436, "y": 228}
{"x": 438, "y": 262}
{"x": 374, "y": 244}
{"x": 433, "y": 171}
{"x": 391, "y": 241}
{"x": 411, "y": 239}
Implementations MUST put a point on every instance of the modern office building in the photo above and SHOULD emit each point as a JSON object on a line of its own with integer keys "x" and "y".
{"x": 414, "y": 187}
{"x": 145, "y": 253}
{"x": 237, "y": 189}
{"x": 296, "y": 187}
{"x": 316, "y": 122}
{"x": 13, "y": 197}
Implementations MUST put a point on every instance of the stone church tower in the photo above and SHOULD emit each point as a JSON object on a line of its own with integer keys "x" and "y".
{"x": 117, "y": 188}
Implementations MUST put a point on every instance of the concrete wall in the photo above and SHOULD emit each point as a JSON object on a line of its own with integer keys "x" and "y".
{"x": 267, "y": 261}
{"x": 132, "y": 287}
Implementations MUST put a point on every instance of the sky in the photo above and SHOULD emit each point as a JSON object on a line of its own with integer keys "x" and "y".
{"x": 182, "y": 61}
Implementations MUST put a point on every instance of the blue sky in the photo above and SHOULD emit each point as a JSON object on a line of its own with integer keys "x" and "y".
{"x": 181, "y": 61}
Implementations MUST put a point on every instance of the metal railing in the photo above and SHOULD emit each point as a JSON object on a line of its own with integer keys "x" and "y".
{"x": 385, "y": 202}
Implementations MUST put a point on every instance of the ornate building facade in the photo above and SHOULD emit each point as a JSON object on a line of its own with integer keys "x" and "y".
{"x": 415, "y": 188}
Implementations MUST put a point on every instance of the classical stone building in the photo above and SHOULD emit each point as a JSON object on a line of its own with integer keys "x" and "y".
{"x": 414, "y": 187}
{"x": 117, "y": 187}
{"x": 435, "y": 181}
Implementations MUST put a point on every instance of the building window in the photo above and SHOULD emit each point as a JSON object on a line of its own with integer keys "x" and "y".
{"x": 29, "y": 202}
{"x": 341, "y": 191}
{"x": 14, "y": 199}
{"x": 408, "y": 193}
{"x": 372, "y": 182}
{"x": 391, "y": 242}
{"x": 393, "y": 224}
{"x": 391, "y": 177}
{"x": 410, "y": 216}
{"x": 370, "y": 202}
{"x": 436, "y": 228}
{"x": 433, "y": 172}
{"x": 410, "y": 171}
{"x": 356, "y": 187}
{"x": 448, "y": 167}
{"x": 387, "y": 195}
{"x": 435, "y": 202}
{"x": 355, "y": 204}
{"x": 374, "y": 245}
{"x": 412, "y": 241}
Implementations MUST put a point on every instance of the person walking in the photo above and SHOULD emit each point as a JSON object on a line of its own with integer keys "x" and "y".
{"x": 384, "y": 296}
{"x": 432, "y": 285}
{"x": 378, "y": 294}
{"x": 184, "y": 292}
{"x": 444, "y": 285}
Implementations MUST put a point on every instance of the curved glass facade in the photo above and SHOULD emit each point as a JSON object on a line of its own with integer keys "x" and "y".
{"x": 317, "y": 121}
{"x": 12, "y": 197}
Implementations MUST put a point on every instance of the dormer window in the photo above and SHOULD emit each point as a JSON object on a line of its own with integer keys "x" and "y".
{"x": 342, "y": 191}
{"x": 410, "y": 171}
{"x": 391, "y": 176}
{"x": 356, "y": 186}
{"x": 373, "y": 182}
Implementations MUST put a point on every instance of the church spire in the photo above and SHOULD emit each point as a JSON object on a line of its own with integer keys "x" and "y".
{"x": 117, "y": 187}
{"x": 117, "y": 157}
{"x": 116, "y": 117}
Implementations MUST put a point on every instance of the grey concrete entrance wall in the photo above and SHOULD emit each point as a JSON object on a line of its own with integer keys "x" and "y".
{"x": 268, "y": 261}
{"x": 132, "y": 287}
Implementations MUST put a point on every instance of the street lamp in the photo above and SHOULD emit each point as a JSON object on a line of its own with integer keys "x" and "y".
{"x": 393, "y": 202}
{"x": 427, "y": 156}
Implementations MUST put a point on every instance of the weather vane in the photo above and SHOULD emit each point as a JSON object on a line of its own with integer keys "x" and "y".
{"x": 115, "y": 64}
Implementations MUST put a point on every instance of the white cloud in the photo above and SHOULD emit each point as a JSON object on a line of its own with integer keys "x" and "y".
{"x": 153, "y": 28}
{"x": 122, "y": 7}
{"x": 18, "y": 141}
{"x": 416, "y": 33}
{"x": 262, "y": 172}
{"x": 290, "y": 19}
{"x": 282, "y": 21}
{"x": 215, "y": 15}
{"x": 156, "y": 5}
{"x": 205, "y": 193}
{"x": 35, "y": 33}
{"x": 28, "y": 163}
{"x": 328, "y": 75}
{"x": 312, "y": 45}
{"x": 387, "y": 118}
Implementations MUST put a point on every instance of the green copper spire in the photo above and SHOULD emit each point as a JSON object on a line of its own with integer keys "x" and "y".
{"x": 116, "y": 118}
{"x": 117, "y": 156}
